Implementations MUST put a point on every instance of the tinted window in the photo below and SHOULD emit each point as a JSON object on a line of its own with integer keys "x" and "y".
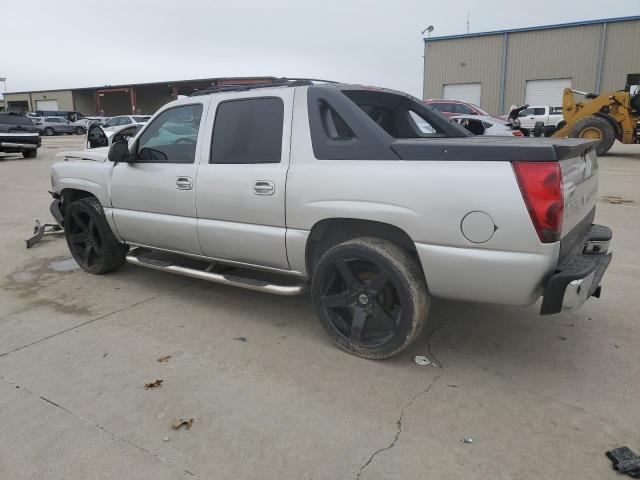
{"x": 538, "y": 111}
{"x": 141, "y": 119}
{"x": 124, "y": 121}
{"x": 15, "y": 120}
{"x": 172, "y": 136}
{"x": 248, "y": 131}
{"x": 442, "y": 107}
{"x": 112, "y": 122}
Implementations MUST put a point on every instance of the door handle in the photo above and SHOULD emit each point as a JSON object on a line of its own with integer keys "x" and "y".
{"x": 184, "y": 183}
{"x": 264, "y": 187}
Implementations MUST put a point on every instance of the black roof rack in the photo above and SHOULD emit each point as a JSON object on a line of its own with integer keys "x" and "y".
{"x": 276, "y": 82}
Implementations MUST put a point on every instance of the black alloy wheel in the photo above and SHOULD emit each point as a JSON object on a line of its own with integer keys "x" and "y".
{"x": 370, "y": 296}
{"x": 90, "y": 239}
{"x": 85, "y": 243}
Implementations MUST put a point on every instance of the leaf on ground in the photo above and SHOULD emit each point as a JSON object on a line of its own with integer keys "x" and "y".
{"x": 155, "y": 384}
{"x": 179, "y": 422}
{"x": 164, "y": 358}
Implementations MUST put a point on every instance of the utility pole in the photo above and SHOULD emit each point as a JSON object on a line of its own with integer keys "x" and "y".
{"x": 4, "y": 80}
{"x": 468, "y": 17}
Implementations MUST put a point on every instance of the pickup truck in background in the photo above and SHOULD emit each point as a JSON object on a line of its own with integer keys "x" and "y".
{"x": 18, "y": 134}
{"x": 547, "y": 115}
{"x": 343, "y": 190}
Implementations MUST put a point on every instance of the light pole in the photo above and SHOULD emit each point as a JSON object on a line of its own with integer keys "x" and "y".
{"x": 4, "y": 80}
{"x": 429, "y": 29}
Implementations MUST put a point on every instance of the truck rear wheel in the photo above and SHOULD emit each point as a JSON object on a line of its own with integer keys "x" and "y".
{"x": 31, "y": 153}
{"x": 370, "y": 296}
{"x": 595, "y": 128}
{"x": 90, "y": 239}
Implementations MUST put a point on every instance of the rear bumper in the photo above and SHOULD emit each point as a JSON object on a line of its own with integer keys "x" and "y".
{"x": 578, "y": 275}
{"x": 17, "y": 143}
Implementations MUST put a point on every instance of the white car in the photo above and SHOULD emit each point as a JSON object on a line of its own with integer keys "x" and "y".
{"x": 486, "y": 125}
{"x": 547, "y": 115}
{"x": 121, "y": 120}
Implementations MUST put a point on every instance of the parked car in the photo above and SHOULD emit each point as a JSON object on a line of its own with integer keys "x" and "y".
{"x": 121, "y": 120}
{"x": 378, "y": 215}
{"x": 98, "y": 137}
{"x": 486, "y": 125}
{"x": 18, "y": 135}
{"x": 547, "y": 115}
{"x": 83, "y": 124}
{"x": 54, "y": 125}
{"x": 449, "y": 108}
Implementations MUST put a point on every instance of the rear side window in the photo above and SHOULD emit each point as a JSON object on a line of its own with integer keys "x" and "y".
{"x": 15, "y": 120}
{"x": 442, "y": 107}
{"x": 248, "y": 131}
{"x": 538, "y": 111}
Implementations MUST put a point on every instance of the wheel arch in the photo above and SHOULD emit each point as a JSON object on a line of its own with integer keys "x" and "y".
{"x": 70, "y": 195}
{"x": 330, "y": 231}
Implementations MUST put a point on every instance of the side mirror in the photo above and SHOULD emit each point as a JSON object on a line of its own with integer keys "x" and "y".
{"x": 119, "y": 152}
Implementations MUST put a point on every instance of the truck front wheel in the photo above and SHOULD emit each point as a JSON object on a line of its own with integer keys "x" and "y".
{"x": 370, "y": 296}
{"x": 595, "y": 128}
{"x": 90, "y": 239}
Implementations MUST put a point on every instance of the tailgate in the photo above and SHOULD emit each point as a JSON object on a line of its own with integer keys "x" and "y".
{"x": 580, "y": 183}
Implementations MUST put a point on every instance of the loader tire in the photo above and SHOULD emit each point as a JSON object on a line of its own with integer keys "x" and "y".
{"x": 595, "y": 128}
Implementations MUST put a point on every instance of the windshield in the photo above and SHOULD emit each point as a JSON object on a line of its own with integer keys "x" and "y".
{"x": 141, "y": 119}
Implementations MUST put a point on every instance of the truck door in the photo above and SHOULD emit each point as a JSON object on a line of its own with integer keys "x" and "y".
{"x": 240, "y": 194}
{"x": 153, "y": 197}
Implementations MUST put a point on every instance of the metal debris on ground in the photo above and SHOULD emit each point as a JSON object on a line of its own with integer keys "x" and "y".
{"x": 166, "y": 439}
{"x": 155, "y": 384}
{"x": 241, "y": 339}
{"x": 422, "y": 360}
{"x": 625, "y": 461}
{"x": 180, "y": 422}
{"x": 164, "y": 358}
{"x": 467, "y": 440}
{"x": 40, "y": 230}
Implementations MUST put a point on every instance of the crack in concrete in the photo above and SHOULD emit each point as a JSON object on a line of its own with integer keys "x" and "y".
{"x": 398, "y": 427}
{"x": 79, "y": 325}
{"x": 103, "y": 428}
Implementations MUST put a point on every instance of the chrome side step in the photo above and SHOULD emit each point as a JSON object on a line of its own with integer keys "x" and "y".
{"x": 136, "y": 257}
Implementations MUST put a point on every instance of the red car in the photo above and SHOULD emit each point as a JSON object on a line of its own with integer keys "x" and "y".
{"x": 450, "y": 108}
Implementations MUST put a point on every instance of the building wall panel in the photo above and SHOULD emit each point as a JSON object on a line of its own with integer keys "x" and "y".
{"x": 465, "y": 60}
{"x": 621, "y": 55}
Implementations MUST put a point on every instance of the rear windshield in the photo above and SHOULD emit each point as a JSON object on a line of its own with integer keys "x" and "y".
{"x": 398, "y": 115}
{"x": 15, "y": 120}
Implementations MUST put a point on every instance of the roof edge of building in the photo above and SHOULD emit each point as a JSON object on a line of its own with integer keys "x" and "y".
{"x": 125, "y": 85}
{"x": 530, "y": 29}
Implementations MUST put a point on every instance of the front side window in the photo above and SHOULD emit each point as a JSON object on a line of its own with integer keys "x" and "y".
{"x": 172, "y": 136}
{"x": 248, "y": 131}
{"x": 538, "y": 111}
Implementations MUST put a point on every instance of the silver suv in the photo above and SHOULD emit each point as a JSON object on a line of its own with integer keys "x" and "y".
{"x": 54, "y": 125}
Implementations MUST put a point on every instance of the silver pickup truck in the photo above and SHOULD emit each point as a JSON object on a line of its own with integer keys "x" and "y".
{"x": 368, "y": 196}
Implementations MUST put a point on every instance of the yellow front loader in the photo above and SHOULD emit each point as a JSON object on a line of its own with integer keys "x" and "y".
{"x": 604, "y": 117}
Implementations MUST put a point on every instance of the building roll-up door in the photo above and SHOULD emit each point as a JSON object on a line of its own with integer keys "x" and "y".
{"x": 546, "y": 93}
{"x": 47, "y": 105}
{"x": 466, "y": 92}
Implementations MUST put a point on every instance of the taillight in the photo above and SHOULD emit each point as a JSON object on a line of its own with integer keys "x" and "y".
{"x": 517, "y": 133}
{"x": 541, "y": 187}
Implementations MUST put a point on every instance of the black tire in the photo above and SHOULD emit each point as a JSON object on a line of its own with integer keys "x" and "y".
{"x": 370, "y": 296}
{"x": 595, "y": 128}
{"x": 49, "y": 131}
{"x": 538, "y": 128}
{"x": 90, "y": 239}
{"x": 79, "y": 131}
{"x": 31, "y": 153}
